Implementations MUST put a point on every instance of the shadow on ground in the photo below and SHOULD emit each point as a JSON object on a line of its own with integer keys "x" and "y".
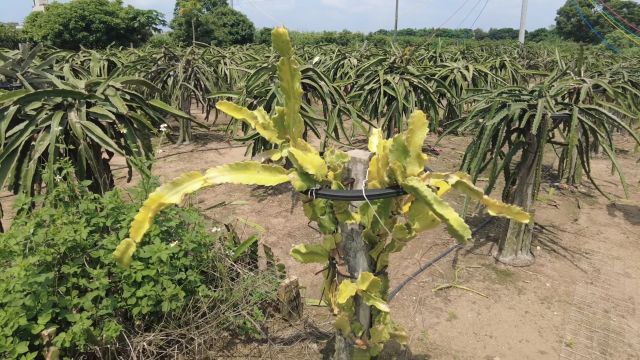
{"x": 631, "y": 213}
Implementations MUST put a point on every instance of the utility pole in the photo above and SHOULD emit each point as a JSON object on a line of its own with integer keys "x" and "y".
{"x": 395, "y": 29}
{"x": 523, "y": 21}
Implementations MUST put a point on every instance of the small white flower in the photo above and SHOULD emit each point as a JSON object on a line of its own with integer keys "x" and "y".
{"x": 216, "y": 229}
{"x": 58, "y": 178}
{"x": 173, "y": 244}
{"x": 163, "y": 128}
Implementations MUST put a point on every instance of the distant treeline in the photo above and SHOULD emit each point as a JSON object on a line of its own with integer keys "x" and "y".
{"x": 407, "y": 36}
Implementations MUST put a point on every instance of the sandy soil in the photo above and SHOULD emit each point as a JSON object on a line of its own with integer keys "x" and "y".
{"x": 578, "y": 301}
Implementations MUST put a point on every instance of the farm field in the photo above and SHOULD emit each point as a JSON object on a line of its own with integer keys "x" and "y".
{"x": 216, "y": 191}
{"x": 579, "y": 298}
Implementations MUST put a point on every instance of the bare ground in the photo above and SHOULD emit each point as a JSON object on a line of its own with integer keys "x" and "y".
{"x": 578, "y": 301}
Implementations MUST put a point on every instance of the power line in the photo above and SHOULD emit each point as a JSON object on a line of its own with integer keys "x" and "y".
{"x": 634, "y": 38}
{"x": 480, "y": 14}
{"x": 618, "y": 15}
{"x": 276, "y": 22}
{"x": 454, "y": 13}
{"x": 469, "y": 13}
{"x": 586, "y": 21}
{"x": 446, "y": 21}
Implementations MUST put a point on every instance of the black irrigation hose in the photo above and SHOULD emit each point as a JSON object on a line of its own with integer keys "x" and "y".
{"x": 424, "y": 267}
{"x": 355, "y": 195}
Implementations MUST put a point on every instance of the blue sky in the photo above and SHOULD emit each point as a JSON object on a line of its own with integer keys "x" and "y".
{"x": 358, "y": 15}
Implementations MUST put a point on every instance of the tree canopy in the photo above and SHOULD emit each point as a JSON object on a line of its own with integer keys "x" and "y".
{"x": 571, "y": 24}
{"x": 207, "y": 5}
{"x": 10, "y": 37}
{"x": 542, "y": 34}
{"x": 92, "y": 24}
{"x": 497, "y": 34}
{"x": 213, "y": 22}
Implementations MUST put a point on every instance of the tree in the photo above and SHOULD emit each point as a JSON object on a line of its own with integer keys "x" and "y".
{"x": 542, "y": 34}
{"x": 620, "y": 40}
{"x": 192, "y": 10}
{"x": 211, "y": 22}
{"x": 10, "y": 37}
{"x": 571, "y": 26}
{"x": 207, "y": 5}
{"x": 225, "y": 26}
{"x": 502, "y": 34}
{"x": 92, "y": 24}
{"x": 479, "y": 34}
{"x": 493, "y": 34}
{"x": 263, "y": 36}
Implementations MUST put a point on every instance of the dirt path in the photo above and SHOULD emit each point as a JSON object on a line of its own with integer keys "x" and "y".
{"x": 578, "y": 301}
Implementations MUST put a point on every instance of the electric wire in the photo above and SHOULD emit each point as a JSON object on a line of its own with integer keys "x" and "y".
{"x": 454, "y": 14}
{"x": 469, "y": 13}
{"x": 624, "y": 30}
{"x": 614, "y": 22}
{"x": 480, "y": 14}
{"x": 601, "y": 2}
{"x": 586, "y": 21}
{"x": 611, "y": 19}
{"x": 276, "y": 22}
{"x": 448, "y": 19}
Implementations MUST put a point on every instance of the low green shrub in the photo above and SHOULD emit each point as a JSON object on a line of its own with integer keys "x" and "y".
{"x": 60, "y": 289}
